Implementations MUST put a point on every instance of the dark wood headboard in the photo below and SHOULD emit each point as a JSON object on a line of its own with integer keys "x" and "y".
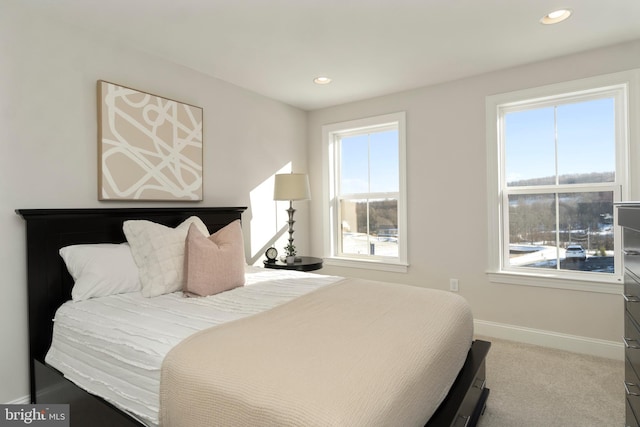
{"x": 49, "y": 284}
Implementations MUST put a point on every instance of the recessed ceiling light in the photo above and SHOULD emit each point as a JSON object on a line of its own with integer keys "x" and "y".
{"x": 322, "y": 80}
{"x": 556, "y": 16}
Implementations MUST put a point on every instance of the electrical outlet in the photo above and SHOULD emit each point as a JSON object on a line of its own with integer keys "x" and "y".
{"x": 453, "y": 285}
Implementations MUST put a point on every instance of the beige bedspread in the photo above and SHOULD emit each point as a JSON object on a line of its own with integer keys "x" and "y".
{"x": 356, "y": 353}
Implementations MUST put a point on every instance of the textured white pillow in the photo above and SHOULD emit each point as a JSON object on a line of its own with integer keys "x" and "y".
{"x": 158, "y": 251}
{"x": 101, "y": 269}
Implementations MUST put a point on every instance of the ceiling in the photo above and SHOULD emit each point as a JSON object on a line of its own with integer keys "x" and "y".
{"x": 368, "y": 47}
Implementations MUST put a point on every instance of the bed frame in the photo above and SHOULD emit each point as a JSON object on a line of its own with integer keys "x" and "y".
{"x": 49, "y": 286}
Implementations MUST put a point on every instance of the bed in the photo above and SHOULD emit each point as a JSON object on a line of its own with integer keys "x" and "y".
{"x": 49, "y": 286}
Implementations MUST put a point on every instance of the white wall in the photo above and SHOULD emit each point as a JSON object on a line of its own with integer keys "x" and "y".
{"x": 446, "y": 162}
{"x": 48, "y": 148}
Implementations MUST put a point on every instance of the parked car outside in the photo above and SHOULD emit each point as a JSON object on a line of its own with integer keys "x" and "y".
{"x": 575, "y": 252}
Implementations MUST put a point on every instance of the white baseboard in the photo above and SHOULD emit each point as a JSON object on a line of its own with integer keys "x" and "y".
{"x": 20, "y": 401}
{"x": 573, "y": 343}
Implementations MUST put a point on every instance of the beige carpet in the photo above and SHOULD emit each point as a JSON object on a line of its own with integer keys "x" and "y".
{"x": 538, "y": 387}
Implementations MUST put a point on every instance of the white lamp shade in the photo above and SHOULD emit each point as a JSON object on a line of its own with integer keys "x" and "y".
{"x": 291, "y": 186}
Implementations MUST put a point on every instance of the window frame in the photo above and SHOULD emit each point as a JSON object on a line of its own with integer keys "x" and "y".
{"x": 332, "y": 235}
{"x": 623, "y": 86}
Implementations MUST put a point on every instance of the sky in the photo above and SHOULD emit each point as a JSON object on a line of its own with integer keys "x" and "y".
{"x": 586, "y": 140}
{"x": 380, "y": 151}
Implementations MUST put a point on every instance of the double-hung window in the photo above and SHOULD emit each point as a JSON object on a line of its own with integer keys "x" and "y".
{"x": 557, "y": 166}
{"x": 365, "y": 193}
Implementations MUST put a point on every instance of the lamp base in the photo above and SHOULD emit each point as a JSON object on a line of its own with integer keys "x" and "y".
{"x": 291, "y": 211}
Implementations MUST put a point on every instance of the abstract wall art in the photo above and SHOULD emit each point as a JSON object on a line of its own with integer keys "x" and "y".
{"x": 149, "y": 147}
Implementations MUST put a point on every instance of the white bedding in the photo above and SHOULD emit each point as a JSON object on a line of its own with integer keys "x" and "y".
{"x": 114, "y": 346}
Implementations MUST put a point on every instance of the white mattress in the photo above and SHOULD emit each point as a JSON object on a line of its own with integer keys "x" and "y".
{"x": 114, "y": 346}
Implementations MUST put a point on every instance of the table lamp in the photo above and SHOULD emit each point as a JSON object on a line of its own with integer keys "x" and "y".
{"x": 291, "y": 186}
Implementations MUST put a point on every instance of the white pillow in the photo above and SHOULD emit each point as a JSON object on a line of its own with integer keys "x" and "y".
{"x": 100, "y": 270}
{"x": 158, "y": 251}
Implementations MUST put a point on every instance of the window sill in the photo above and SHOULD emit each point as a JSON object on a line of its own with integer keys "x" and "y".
{"x": 396, "y": 267}
{"x": 612, "y": 285}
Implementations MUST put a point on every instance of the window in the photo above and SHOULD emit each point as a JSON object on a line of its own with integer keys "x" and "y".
{"x": 366, "y": 201}
{"x": 557, "y": 158}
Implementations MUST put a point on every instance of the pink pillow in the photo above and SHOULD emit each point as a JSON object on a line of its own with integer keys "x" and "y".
{"x": 216, "y": 263}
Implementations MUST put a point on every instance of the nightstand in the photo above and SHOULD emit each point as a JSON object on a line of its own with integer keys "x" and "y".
{"x": 306, "y": 263}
